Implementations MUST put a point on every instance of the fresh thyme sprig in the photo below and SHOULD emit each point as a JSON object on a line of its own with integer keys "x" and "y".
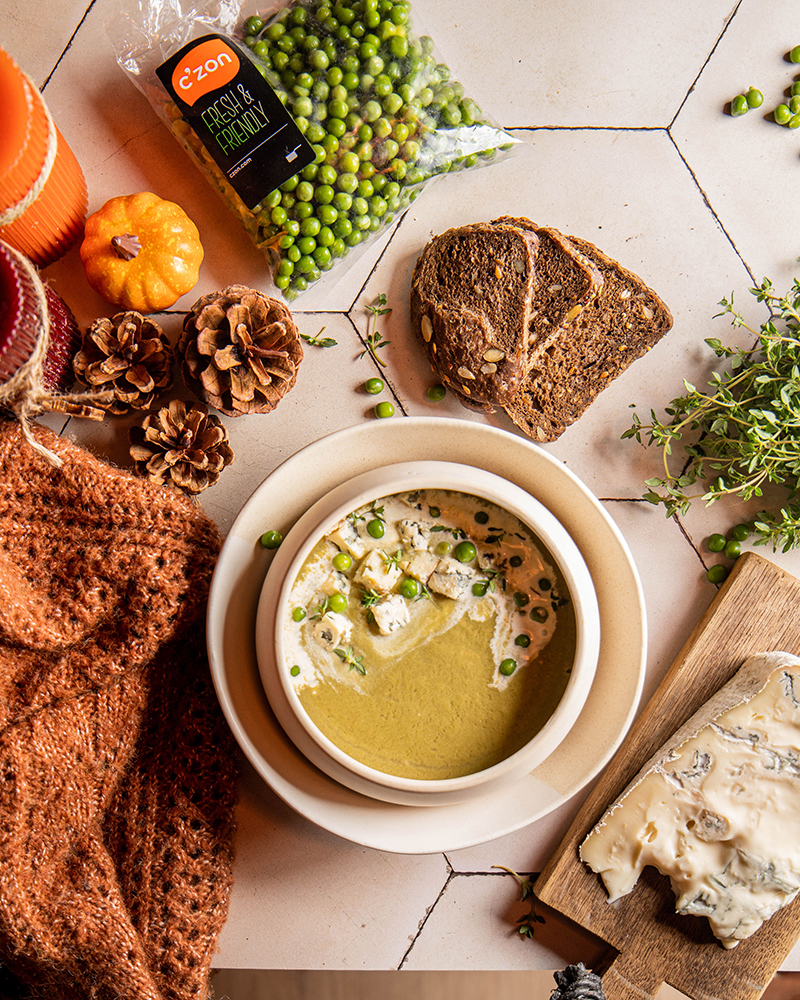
{"x": 375, "y": 339}
{"x": 321, "y": 610}
{"x": 527, "y": 920}
{"x": 745, "y": 427}
{"x": 319, "y": 340}
{"x": 393, "y": 560}
{"x": 349, "y": 657}
{"x": 369, "y": 598}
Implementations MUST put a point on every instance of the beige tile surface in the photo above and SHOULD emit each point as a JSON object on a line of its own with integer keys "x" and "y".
{"x": 620, "y": 106}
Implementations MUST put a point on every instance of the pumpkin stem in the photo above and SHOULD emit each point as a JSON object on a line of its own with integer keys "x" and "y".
{"x": 126, "y": 246}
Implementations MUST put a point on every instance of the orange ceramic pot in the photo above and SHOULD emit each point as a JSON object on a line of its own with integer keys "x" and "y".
{"x": 42, "y": 203}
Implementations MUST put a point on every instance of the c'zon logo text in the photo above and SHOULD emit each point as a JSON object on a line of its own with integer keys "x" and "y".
{"x": 209, "y": 66}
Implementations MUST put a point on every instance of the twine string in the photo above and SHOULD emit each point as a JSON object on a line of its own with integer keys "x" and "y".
{"x": 16, "y": 211}
{"x": 25, "y": 394}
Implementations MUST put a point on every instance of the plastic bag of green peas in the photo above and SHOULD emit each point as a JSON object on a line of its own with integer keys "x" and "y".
{"x": 369, "y": 92}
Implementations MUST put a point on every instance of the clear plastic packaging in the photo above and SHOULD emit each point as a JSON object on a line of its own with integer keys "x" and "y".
{"x": 367, "y": 88}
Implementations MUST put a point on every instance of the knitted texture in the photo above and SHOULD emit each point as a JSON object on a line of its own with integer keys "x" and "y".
{"x": 117, "y": 772}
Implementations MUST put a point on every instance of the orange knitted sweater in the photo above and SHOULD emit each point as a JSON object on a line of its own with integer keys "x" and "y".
{"x": 117, "y": 772}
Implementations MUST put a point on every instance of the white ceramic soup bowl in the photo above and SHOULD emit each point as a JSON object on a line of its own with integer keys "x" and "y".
{"x": 275, "y": 608}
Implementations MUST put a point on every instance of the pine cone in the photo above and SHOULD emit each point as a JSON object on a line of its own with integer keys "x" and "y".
{"x": 240, "y": 350}
{"x": 128, "y": 354}
{"x": 183, "y": 448}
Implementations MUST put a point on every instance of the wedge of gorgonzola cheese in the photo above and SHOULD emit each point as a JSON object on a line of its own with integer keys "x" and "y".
{"x": 717, "y": 809}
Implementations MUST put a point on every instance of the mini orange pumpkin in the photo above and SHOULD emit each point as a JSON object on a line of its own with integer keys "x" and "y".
{"x": 140, "y": 252}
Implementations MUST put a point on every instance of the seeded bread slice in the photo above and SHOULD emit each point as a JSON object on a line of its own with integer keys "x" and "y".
{"x": 471, "y": 299}
{"x": 566, "y": 281}
{"x": 620, "y": 325}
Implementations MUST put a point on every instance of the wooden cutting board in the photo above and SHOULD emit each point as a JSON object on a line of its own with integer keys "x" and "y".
{"x": 756, "y": 610}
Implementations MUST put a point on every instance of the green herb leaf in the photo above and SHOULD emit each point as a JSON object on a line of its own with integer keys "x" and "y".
{"x": 319, "y": 340}
{"x": 742, "y": 432}
{"x": 527, "y": 920}
{"x": 354, "y": 662}
{"x": 375, "y": 339}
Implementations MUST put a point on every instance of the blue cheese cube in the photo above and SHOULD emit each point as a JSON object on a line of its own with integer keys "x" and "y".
{"x": 391, "y": 614}
{"x": 332, "y": 630}
{"x": 348, "y": 539}
{"x": 451, "y": 579}
{"x": 415, "y": 534}
{"x": 420, "y": 565}
{"x": 376, "y": 572}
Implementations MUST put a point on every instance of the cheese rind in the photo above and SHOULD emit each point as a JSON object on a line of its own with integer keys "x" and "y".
{"x": 717, "y": 809}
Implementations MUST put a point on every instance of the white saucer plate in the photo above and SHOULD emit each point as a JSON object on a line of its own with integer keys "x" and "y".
{"x": 236, "y": 587}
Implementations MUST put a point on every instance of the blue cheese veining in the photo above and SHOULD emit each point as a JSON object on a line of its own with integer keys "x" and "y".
{"x": 717, "y": 810}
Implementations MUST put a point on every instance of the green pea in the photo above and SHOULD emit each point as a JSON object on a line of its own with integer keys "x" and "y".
{"x": 279, "y": 215}
{"x": 539, "y": 614}
{"x": 741, "y": 532}
{"x": 794, "y": 55}
{"x": 716, "y": 574}
{"x": 794, "y": 90}
{"x": 508, "y": 666}
{"x": 298, "y": 614}
{"x": 523, "y": 640}
{"x": 521, "y": 599}
{"x": 754, "y": 98}
{"x": 409, "y": 588}
{"x": 295, "y": 671}
{"x": 271, "y": 539}
{"x": 374, "y": 386}
{"x": 481, "y": 517}
{"x": 337, "y": 602}
{"x": 253, "y": 26}
{"x": 715, "y": 542}
{"x": 465, "y": 552}
{"x": 436, "y": 393}
{"x": 782, "y": 114}
{"x": 739, "y": 106}
{"x": 733, "y": 549}
{"x": 376, "y": 528}
{"x": 384, "y": 410}
{"x": 443, "y": 548}
{"x": 794, "y": 122}
{"x": 480, "y": 588}
{"x": 515, "y": 561}
{"x": 342, "y": 561}
{"x": 545, "y": 584}
{"x": 794, "y": 104}
{"x": 305, "y": 191}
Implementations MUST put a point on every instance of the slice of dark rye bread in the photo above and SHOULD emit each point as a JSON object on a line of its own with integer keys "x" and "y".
{"x": 566, "y": 281}
{"x": 620, "y": 325}
{"x": 471, "y": 300}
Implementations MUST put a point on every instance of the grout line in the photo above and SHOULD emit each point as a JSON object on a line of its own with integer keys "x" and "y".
{"x": 428, "y": 912}
{"x": 68, "y": 45}
{"x": 586, "y": 128}
{"x": 725, "y": 26}
{"x": 710, "y": 207}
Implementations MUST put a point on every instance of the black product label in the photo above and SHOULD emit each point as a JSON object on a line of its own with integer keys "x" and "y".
{"x": 237, "y": 116}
